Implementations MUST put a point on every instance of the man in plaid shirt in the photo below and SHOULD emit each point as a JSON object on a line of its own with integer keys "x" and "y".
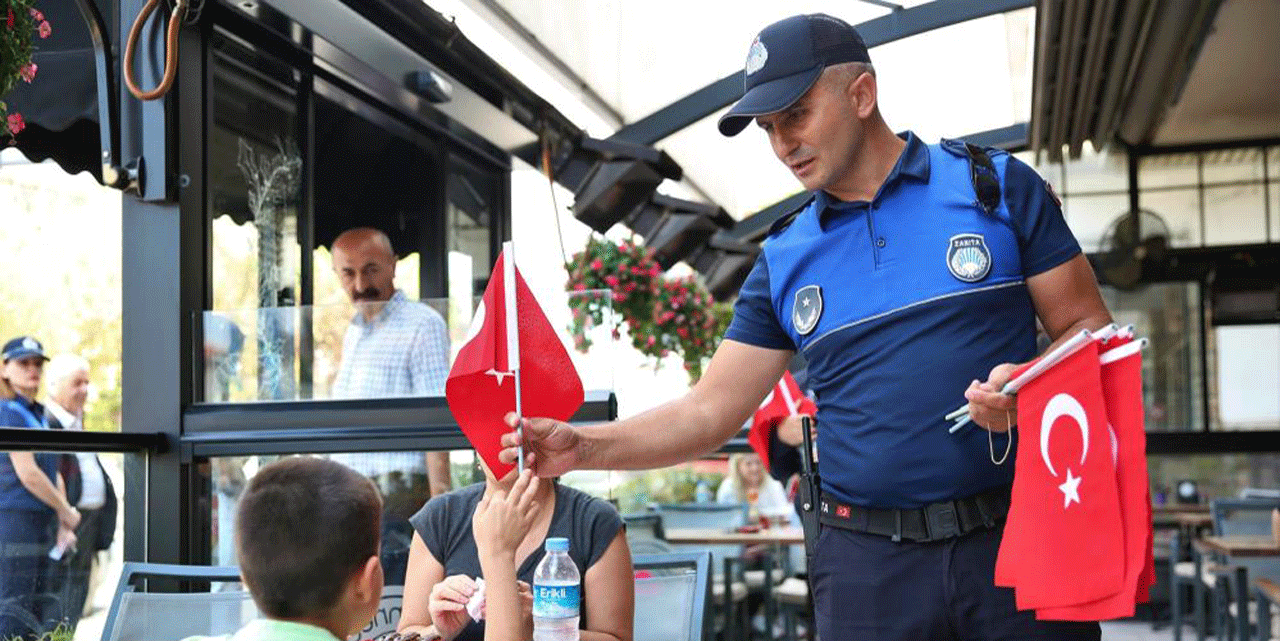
{"x": 394, "y": 346}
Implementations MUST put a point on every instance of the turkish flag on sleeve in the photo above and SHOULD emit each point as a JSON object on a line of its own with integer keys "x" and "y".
{"x": 1122, "y": 392}
{"x": 1063, "y": 543}
{"x": 481, "y": 388}
{"x": 785, "y": 399}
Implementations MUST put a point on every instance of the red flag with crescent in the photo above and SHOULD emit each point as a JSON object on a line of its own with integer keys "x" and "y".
{"x": 1063, "y": 543}
{"x": 785, "y": 399}
{"x": 481, "y": 387}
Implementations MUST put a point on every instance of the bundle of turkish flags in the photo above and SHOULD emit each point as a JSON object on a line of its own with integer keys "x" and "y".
{"x": 1077, "y": 544}
{"x": 481, "y": 388}
{"x": 784, "y": 400}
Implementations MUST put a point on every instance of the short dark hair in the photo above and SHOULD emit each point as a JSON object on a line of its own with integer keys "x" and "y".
{"x": 305, "y": 525}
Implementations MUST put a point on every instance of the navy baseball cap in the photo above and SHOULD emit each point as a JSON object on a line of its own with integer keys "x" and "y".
{"x": 786, "y": 59}
{"x": 22, "y": 347}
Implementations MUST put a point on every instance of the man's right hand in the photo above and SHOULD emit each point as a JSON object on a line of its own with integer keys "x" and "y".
{"x": 69, "y": 518}
{"x": 551, "y": 447}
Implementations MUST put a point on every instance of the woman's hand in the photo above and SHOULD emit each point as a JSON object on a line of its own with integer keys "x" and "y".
{"x": 448, "y": 605}
{"x": 502, "y": 520}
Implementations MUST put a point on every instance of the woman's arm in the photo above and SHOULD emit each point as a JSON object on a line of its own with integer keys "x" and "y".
{"x": 610, "y": 611}
{"x": 503, "y": 619}
{"x": 421, "y": 576}
{"x": 38, "y": 484}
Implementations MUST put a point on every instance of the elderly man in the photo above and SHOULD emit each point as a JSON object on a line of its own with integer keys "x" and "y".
{"x": 89, "y": 488}
{"x": 394, "y": 346}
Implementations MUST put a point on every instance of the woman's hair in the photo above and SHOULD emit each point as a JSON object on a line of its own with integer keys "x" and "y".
{"x": 735, "y": 473}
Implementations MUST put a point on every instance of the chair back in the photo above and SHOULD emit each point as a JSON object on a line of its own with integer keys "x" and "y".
{"x": 643, "y": 526}
{"x": 671, "y": 596}
{"x": 1242, "y": 517}
{"x": 1260, "y": 493}
{"x": 139, "y": 615}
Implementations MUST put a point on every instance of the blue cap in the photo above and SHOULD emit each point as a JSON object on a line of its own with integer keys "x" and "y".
{"x": 786, "y": 59}
{"x": 22, "y": 347}
{"x": 557, "y": 544}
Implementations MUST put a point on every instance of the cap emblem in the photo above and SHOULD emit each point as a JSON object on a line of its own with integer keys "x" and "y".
{"x": 756, "y": 56}
{"x": 31, "y": 344}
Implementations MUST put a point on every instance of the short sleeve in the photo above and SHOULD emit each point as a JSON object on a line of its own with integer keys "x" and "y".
{"x": 598, "y": 526}
{"x": 754, "y": 320}
{"x": 1043, "y": 235}
{"x": 432, "y": 524}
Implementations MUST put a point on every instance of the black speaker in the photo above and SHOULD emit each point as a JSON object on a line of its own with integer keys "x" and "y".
{"x": 612, "y": 190}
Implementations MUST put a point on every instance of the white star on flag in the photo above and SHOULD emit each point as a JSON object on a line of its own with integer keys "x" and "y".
{"x": 498, "y": 375}
{"x": 1070, "y": 489}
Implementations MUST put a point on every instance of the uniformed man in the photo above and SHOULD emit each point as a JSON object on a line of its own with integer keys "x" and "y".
{"x": 915, "y": 272}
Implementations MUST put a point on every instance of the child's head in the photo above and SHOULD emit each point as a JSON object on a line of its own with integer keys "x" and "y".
{"x": 308, "y": 533}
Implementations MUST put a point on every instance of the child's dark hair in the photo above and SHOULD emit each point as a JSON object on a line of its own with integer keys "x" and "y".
{"x": 305, "y": 525}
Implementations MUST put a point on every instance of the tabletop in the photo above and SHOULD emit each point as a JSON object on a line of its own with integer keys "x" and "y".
{"x": 1242, "y": 545}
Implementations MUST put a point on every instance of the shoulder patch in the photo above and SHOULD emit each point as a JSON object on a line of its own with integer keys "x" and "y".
{"x": 786, "y": 219}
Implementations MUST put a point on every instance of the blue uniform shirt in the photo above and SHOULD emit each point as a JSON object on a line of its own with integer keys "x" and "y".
{"x": 898, "y": 304}
{"x": 20, "y": 412}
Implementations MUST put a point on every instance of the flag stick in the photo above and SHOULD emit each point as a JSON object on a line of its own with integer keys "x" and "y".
{"x": 513, "y": 337}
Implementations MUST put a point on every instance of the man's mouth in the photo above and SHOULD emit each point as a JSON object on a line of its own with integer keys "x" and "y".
{"x": 801, "y": 167}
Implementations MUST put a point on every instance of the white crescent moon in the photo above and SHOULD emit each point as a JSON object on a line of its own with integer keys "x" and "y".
{"x": 1062, "y": 405}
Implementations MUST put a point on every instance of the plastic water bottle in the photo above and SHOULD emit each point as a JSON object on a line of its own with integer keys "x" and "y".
{"x": 703, "y": 492}
{"x": 556, "y": 594}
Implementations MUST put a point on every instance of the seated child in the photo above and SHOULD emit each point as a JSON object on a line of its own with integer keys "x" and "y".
{"x": 307, "y": 537}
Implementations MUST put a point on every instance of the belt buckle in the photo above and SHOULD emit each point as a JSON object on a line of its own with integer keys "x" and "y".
{"x": 942, "y": 520}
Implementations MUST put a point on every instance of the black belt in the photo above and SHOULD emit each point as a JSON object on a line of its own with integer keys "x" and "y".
{"x": 934, "y": 522}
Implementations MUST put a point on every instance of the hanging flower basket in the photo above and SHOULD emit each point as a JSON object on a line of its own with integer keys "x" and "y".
{"x": 20, "y": 23}
{"x": 663, "y": 316}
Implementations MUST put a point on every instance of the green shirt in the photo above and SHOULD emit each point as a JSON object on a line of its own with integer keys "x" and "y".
{"x": 274, "y": 630}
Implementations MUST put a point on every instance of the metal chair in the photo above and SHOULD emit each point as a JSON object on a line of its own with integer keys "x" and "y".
{"x": 138, "y": 615}
{"x": 1234, "y": 611}
{"x": 728, "y": 588}
{"x": 644, "y": 533}
{"x": 671, "y": 596}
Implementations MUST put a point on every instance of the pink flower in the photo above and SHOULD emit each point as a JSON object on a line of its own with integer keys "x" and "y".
{"x": 619, "y": 297}
{"x": 683, "y": 332}
{"x": 597, "y": 265}
{"x": 44, "y": 29}
{"x": 636, "y": 271}
{"x": 655, "y": 270}
{"x": 28, "y": 71}
{"x": 631, "y": 287}
{"x": 9, "y": 21}
{"x": 578, "y": 287}
{"x": 651, "y": 341}
{"x": 612, "y": 281}
{"x": 35, "y": 14}
{"x": 16, "y": 124}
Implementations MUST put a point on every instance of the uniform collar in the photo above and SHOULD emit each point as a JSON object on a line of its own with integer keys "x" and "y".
{"x": 913, "y": 162}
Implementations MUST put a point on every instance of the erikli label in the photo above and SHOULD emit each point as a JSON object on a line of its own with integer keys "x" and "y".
{"x": 555, "y": 601}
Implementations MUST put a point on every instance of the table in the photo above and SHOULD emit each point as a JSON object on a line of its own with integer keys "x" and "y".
{"x": 787, "y": 535}
{"x": 1242, "y": 545}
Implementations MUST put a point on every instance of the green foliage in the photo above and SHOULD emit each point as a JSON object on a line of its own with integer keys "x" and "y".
{"x": 669, "y": 485}
{"x": 63, "y": 632}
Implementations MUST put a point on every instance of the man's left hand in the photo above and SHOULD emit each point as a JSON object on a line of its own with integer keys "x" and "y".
{"x": 989, "y": 408}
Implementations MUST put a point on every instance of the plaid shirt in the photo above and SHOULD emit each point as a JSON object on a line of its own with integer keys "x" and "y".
{"x": 402, "y": 351}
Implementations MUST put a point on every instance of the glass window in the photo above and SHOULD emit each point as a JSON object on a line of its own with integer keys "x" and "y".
{"x": 1273, "y": 210}
{"x": 1091, "y": 218}
{"x": 1235, "y": 215}
{"x": 1273, "y": 162}
{"x": 255, "y": 180}
{"x": 1216, "y": 476}
{"x": 1180, "y": 210}
{"x": 1233, "y": 165}
{"x": 1168, "y": 170}
{"x": 1247, "y": 381}
{"x": 474, "y": 206}
{"x": 1168, "y": 315}
{"x": 1095, "y": 171}
{"x": 54, "y": 576}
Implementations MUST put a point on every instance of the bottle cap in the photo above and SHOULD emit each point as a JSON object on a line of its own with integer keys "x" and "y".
{"x": 557, "y": 544}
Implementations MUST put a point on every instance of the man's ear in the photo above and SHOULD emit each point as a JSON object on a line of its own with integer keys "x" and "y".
{"x": 366, "y": 585}
{"x": 863, "y": 94}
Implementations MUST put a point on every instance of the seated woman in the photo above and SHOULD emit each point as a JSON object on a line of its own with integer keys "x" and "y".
{"x": 747, "y": 483}
{"x": 444, "y": 563}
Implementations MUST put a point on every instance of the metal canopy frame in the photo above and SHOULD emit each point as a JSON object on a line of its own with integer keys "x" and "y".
{"x": 896, "y": 25}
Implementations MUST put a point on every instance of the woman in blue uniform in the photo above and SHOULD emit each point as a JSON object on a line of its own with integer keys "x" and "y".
{"x": 34, "y": 513}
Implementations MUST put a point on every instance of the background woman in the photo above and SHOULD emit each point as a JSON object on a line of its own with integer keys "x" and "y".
{"x": 34, "y": 512}
{"x": 748, "y": 483}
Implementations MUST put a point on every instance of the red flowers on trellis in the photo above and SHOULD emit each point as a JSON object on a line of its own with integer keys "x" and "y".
{"x": 21, "y": 22}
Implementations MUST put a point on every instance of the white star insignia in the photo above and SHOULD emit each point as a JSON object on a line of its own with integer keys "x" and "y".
{"x": 1070, "y": 490}
{"x": 499, "y": 375}
{"x": 805, "y": 302}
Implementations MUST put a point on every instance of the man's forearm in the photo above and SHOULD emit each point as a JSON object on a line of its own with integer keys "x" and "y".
{"x": 671, "y": 433}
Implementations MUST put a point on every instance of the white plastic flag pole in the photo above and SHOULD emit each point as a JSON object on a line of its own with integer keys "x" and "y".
{"x": 1067, "y": 348}
{"x": 513, "y": 337}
